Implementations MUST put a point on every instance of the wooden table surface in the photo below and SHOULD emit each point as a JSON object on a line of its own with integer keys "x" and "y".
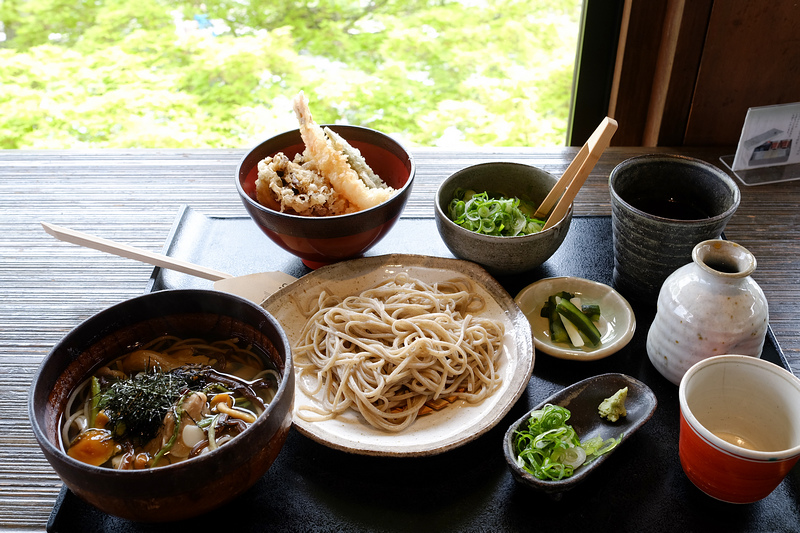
{"x": 47, "y": 287}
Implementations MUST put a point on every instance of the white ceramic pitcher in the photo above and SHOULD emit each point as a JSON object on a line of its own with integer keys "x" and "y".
{"x": 708, "y": 307}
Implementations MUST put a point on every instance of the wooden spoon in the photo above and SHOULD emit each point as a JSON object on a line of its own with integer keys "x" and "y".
{"x": 255, "y": 287}
{"x": 574, "y": 177}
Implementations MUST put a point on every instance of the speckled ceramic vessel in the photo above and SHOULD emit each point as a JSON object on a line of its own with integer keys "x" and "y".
{"x": 706, "y": 308}
{"x": 501, "y": 255}
{"x": 649, "y": 247}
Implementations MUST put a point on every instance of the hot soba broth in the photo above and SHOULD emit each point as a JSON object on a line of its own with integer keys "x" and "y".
{"x": 166, "y": 401}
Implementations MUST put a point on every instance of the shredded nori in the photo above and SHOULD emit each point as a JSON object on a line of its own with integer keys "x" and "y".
{"x": 195, "y": 376}
{"x": 136, "y": 407}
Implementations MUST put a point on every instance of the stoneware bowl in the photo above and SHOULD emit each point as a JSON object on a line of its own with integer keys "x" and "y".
{"x": 583, "y": 399}
{"x": 500, "y": 255}
{"x": 661, "y": 206}
{"x": 324, "y": 240}
{"x": 184, "y": 489}
{"x": 739, "y": 426}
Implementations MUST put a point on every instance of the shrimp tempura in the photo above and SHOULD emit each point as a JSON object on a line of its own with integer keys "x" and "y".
{"x": 332, "y": 163}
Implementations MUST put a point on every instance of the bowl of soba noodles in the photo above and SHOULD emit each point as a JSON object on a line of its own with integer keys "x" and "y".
{"x": 167, "y": 405}
{"x": 325, "y": 193}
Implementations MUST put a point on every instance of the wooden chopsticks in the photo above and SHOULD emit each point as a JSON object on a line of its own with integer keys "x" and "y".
{"x": 568, "y": 185}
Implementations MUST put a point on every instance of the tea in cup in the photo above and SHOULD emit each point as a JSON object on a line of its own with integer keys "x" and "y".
{"x": 661, "y": 207}
{"x": 739, "y": 426}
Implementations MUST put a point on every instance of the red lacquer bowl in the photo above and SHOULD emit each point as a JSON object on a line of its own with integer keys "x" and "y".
{"x": 323, "y": 240}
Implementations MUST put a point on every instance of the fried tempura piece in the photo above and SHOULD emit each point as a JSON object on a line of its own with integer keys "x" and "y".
{"x": 333, "y": 164}
{"x": 356, "y": 160}
{"x": 297, "y": 187}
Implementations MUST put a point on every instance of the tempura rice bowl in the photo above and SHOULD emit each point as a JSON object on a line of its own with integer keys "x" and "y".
{"x": 324, "y": 240}
{"x": 184, "y": 489}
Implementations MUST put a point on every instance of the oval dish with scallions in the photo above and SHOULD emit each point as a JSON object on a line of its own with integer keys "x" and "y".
{"x": 582, "y": 400}
{"x": 550, "y": 449}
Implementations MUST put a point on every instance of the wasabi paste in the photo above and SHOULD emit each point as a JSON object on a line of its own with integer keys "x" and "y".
{"x": 614, "y": 407}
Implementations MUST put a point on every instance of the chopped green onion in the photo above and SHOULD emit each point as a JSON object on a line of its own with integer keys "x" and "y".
{"x": 596, "y": 446}
{"x": 549, "y": 448}
{"x": 492, "y": 214}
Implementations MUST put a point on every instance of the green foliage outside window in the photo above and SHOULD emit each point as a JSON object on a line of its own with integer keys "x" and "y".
{"x": 222, "y": 73}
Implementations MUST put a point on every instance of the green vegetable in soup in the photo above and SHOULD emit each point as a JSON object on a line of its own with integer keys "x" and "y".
{"x": 493, "y": 214}
{"x": 550, "y": 449}
{"x": 95, "y": 401}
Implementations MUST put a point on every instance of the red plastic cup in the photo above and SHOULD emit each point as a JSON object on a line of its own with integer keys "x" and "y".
{"x": 739, "y": 426}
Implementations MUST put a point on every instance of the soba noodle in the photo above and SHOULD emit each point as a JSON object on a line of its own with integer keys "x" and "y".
{"x": 393, "y": 348}
{"x": 166, "y": 401}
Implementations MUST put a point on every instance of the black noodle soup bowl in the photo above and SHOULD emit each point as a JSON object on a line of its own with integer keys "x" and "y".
{"x": 184, "y": 489}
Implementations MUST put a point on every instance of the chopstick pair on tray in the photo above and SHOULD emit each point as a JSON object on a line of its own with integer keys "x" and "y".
{"x": 568, "y": 185}
{"x": 255, "y": 287}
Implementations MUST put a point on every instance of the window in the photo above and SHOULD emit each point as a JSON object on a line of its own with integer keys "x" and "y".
{"x": 165, "y": 74}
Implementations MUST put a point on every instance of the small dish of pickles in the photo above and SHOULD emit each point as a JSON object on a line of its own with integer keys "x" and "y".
{"x": 576, "y": 318}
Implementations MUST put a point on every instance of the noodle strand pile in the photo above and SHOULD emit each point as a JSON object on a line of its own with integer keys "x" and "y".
{"x": 391, "y": 349}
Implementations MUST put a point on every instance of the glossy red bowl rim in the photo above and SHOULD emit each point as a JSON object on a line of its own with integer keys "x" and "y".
{"x": 354, "y": 133}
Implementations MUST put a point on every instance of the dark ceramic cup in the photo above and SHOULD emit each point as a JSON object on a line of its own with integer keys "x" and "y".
{"x": 661, "y": 207}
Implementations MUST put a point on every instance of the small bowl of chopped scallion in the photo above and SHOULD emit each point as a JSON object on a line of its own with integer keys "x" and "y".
{"x": 485, "y": 214}
{"x": 493, "y": 213}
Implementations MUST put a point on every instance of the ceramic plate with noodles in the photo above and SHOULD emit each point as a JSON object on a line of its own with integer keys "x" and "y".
{"x": 457, "y": 423}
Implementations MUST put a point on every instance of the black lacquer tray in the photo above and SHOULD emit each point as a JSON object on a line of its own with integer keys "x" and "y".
{"x": 641, "y": 487}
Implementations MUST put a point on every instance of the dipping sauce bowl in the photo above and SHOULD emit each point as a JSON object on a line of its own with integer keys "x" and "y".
{"x": 739, "y": 426}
